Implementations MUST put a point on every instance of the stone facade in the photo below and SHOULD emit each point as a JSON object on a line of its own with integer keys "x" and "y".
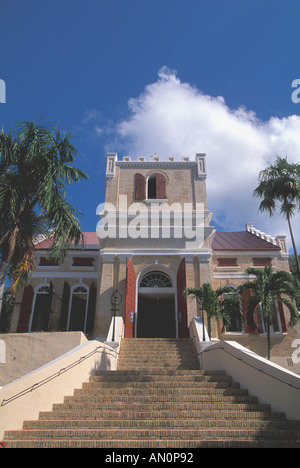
{"x": 141, "y": 236}
{"x": 58, "y": 283}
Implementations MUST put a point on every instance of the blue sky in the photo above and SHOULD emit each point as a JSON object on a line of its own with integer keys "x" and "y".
{"x": 172, "y": 77}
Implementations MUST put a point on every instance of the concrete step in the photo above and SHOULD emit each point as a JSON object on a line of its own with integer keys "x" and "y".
{"x": 163, "y": 372}
{"x": 172, "y": 359}
{"x": 157, "y": 341}
{"x": 168, "y": 399}
{"x": 161, "y": 423}
{"x": 174, "y": 434}
{"x": 158, "y": 398}
{"x": 139, "y": 385}
{"x": 162, "y": 415}
{"x": 158, "y": 365}
{"x": 166, "y": 390}
{"x": 140, "y": 353}
{"x": 159, "y": 375}
{"x": 161, "y": 406}
{"x": 155, "y": 443}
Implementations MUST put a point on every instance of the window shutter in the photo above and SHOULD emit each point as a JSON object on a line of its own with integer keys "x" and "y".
{"x": 129, "y": 299}
{"x": 44, "y": 261}
{"x": 282, "y": 318}
{"x": 25, "y": 310}
{"x": 48, "y": 309}
{"x": 261, "y": 261}
{"x": 140, "y": 187}
{"x": 83, "y": 261}
{"x": 64, "y": 308}
{"x": 227, "y": 262}
{"x": 160, "y": 186}
{"x": 250, "y": 324}
{"x": 246, "y": 294}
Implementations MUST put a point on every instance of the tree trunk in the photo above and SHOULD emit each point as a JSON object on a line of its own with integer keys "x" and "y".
{"x": 294, "y": 247}
{"x": 3, "y": 273}
{"x": 269, "y": 341}
{"x": 209, "y": 327}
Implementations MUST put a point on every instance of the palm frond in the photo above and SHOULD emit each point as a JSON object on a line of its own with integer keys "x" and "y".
{"x": 35, "y": 164}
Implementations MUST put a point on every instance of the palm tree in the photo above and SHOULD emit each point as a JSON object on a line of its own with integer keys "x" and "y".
{"x": 231, "y": 307}
{"x": 36, "y": 161}
{"x": 267, "y": 288}
{"x": 279, "y": 184}
{"x": 210, "y": 301}
{"x": 292, "y": 264}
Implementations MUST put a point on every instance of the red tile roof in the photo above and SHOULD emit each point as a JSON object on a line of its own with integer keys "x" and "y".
{"x": 240, "y": 240}
{"x": 91, "y": 240}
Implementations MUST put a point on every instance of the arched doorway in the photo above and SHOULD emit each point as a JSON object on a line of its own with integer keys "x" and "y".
{"x": 156, "y": 311}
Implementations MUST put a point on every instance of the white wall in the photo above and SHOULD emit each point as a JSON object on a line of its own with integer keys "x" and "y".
{"x": 21, "y": 353}
{"x": 269, "y": 382}
{"x": 37, "y": 391}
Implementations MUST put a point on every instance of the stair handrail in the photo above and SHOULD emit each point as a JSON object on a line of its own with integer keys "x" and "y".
{"x": 57, "y": 374}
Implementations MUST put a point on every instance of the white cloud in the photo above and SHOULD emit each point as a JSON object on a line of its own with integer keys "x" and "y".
{"x": 90, "y": 115}
{"x": 172, "y": 118}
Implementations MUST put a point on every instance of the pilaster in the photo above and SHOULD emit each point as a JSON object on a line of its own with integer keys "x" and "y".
{"x": 191, "y": 283}
{"x": 103, "y": 312}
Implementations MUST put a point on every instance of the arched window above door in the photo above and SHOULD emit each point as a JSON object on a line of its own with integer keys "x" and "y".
{"x": 80, "y": 290}
{"x": 44, "y": 289}
{"x": 156, "y": 279}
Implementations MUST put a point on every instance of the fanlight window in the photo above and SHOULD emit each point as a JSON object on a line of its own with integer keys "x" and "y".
{"x": 43, "y": 290}
{"x": 80, "y": 290}
{"x": 156, "y": 279}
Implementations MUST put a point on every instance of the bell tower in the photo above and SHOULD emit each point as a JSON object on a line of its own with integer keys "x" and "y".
{"x": 155, "y": 221}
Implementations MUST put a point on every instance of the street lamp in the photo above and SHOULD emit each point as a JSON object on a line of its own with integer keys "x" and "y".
{"x": 115, "y": 300}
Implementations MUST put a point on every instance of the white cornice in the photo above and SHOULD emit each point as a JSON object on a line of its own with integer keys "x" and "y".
{"x": 87, "y": 249}
{"x": 146, "y": 164}
{"x": 203, "y": 255}
{"x": 64, "y": 274}
{"x": 159, "y": 165}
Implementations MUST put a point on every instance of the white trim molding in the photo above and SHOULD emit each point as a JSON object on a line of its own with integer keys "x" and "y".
{"x": 203, "y": 256}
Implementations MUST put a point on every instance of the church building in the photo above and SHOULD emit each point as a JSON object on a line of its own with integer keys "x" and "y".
{"x": 153, "y": 239}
